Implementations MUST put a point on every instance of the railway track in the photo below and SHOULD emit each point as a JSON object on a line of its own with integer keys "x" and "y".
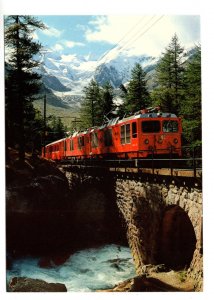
{"x": 173, "y": 167}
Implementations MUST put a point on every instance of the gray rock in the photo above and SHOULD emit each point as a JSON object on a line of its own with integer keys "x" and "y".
{"x": 24, "y": 284}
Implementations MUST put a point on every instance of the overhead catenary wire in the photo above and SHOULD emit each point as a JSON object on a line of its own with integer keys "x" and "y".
{"x": 127, "y": 42}
{"x": 141, "y": 34}
{"x": 136, "y": 36}
{"x": 117, "y": 44}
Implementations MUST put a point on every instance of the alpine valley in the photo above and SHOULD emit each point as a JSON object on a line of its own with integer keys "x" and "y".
{"x": 65, "y": 76}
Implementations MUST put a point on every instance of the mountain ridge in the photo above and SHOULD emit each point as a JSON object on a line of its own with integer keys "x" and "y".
{"x": 67, "y": 75}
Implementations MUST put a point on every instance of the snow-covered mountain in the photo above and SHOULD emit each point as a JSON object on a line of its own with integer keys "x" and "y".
{"x": 67, "y": 75}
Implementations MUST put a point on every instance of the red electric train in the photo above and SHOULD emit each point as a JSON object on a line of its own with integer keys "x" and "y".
{"x": 144, "y": 134}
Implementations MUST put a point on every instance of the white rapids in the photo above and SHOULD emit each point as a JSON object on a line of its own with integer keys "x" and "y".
{"x": 85, "y": 271}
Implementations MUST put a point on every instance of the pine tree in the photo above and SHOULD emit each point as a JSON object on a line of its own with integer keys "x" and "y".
{"x": 170, "y": 78}
{"x": 21, "y": 83}
{"x": 91, "y": 110}
{"x": 191, "y": 106}
{"x": 55, "y": 128}
{"x": 107, "y": 100}
{"x": 137, "y": 96}
{"x": 121, "y": 107}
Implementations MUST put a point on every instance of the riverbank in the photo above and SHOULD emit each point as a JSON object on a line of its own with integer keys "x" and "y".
{"x": 48, "y": 225}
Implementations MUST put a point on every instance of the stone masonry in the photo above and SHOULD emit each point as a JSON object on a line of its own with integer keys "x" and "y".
{"x": 163, "y": 218}
{"x": 144, "y": 204}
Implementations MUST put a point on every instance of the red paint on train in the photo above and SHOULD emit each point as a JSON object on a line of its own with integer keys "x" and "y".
{"x": 139, "y": 136}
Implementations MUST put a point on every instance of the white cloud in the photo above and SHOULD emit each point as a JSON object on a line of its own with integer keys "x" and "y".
{"x": 144, "y": 34}
{"x": 71, "y": 44}
{"x": 51, "y": 31}
{"x": 57, "y": 47}
{"x": 34, "y": 36}
{"x": 9, "y": 52}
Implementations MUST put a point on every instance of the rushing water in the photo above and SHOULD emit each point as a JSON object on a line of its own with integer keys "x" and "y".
{"x": 84, "y": 271}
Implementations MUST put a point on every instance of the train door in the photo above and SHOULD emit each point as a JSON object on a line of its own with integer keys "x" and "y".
{"x": 172, "y": 135}
{"x": 94, "y": 143}
{"x": 134, "y": 134}
{"x": 63, "y": 149}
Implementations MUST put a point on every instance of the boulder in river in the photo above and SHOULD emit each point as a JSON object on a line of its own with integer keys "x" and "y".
{"x": 24, "y": 284}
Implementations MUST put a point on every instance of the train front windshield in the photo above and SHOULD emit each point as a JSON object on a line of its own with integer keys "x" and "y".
{"x": 155, "y": 126}
{"x": 170, "y": 126}
{"x": 151, "y": 126}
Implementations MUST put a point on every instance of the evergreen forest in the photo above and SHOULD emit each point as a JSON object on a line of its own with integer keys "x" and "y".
{"x": 177, "y": 89}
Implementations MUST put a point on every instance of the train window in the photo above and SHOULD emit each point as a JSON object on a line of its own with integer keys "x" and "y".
{"x": 122, "y": 134}
{"x": 151, "y": 126}
{"x": 128, "y": 133}
{"x": 71, "y": 145}
{"x": 94, "y": 140}
{"x": 134, "y": 130}
{"x": 108, "y": 137}
{"x": 81, "y": 142}
{"x": 125, "y": 134}
{"x": 170, "y": 126}
{"x": 65, "y": 146}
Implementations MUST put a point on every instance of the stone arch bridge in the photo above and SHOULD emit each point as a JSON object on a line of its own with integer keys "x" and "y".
{"x": 162, "y": 210}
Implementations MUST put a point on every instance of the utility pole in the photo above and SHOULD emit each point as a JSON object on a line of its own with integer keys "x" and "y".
{"x": 92, "y": 111}
{"x": 44, "y": 132}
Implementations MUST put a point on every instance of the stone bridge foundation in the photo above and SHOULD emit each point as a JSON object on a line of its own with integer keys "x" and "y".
{"x": 162, "y": 215}
{"x": 164, "y": 223}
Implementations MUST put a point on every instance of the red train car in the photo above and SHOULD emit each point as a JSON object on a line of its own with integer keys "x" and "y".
{"x": 139, "y": 136}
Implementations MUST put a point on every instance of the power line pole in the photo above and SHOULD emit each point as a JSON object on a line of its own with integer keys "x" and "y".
{"x": 44, "y": 130}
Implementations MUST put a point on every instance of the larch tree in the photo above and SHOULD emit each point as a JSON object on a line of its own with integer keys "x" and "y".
{"x": 191, "y": 106}
{"x": 107, "y": 100}
{"x": 21, "y": 81}
{"x": 91, "y": 109}
{"x": 170, "y": 78}
{"x": 137, "y": 96}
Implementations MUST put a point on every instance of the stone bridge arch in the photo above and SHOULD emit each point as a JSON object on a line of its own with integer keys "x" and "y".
{"x": 164, "y": 222}
{"x": 177, "y": 238}
{"x": 163, "y": 219}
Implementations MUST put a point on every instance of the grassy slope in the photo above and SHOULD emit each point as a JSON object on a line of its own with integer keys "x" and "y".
{"x": 67, "y": 115}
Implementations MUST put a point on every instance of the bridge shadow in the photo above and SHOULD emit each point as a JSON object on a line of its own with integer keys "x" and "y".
{"x": 150, "y": 284}
{"x": 177, "y": 238}
{"x": 96, "y": 218}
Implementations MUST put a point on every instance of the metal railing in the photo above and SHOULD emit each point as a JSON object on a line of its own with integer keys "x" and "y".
{"x": 191, "y": 160}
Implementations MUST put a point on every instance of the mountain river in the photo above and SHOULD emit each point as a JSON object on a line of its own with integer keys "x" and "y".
{"x": 84, "y": 271}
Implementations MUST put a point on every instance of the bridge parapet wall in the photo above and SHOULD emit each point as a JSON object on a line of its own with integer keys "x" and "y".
{"x": 164, "y": 222}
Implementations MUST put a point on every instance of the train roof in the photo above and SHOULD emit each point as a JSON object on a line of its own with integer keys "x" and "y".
{"x": 55, "y": 142}
{"x": 148, "y": 115}
{"x": 138, "y": 116}
{"x": 117, "y": 120}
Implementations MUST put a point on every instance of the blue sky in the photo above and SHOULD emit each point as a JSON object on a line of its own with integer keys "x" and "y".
{"x": 137, "y": 34}
{"x": 68, "y": 35}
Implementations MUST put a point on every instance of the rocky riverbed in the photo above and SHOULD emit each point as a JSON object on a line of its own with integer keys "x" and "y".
{"x": 49, "y": 222}
{"x": 49, "y": 227}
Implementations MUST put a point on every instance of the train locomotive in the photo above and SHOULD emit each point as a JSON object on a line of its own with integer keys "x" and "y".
{"x": 146, "y": 133}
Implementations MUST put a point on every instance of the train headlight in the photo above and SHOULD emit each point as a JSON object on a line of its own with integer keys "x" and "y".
{"x": 175, "y": 141}
{"x": 146, "y": 141}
